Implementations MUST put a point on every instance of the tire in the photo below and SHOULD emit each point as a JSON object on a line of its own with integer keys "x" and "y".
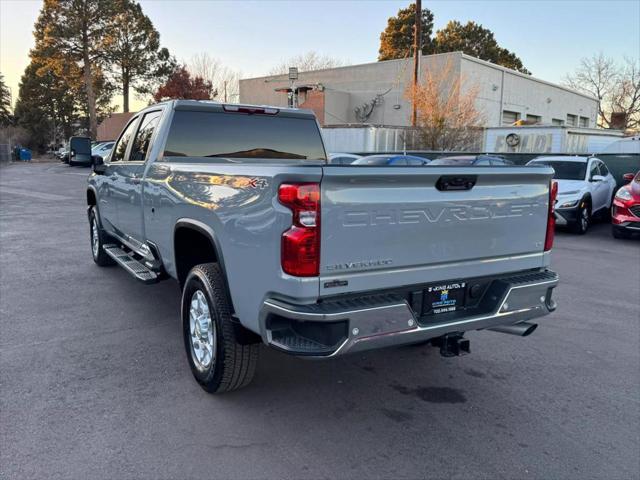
{"x": 608, "y": 212}
{"x": 619, "y": 233}
{"x": 583, "y": 221}
{"x": 98, "y": 238}
{"x": 219, "y": 361}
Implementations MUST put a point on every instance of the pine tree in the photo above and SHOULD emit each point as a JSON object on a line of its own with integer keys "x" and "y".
{"x": 5, "y": 104}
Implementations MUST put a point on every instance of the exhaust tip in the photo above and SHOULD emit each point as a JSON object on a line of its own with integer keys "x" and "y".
{"x": 521, "y": 329}
{"x": 531, "y": 328}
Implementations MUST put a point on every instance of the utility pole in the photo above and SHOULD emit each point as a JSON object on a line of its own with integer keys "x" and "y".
{"x": 293, "y": 76}
{"x": 417, "y": 47}
{"x": 225, "y": 91}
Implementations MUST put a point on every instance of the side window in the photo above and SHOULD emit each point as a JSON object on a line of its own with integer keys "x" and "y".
{"x": 341, "y": 160}
{"x": 142, "y": 140}
{"x": 413, "y": 161}
{"x": 594, "y": 170}
{"x": 604, "y": 171}
{"x": 398, "y": 161}
{"x": 121, "y": 147}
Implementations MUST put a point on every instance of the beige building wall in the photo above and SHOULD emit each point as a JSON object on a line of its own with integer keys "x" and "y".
{"x": 384, "y": 84}
{"x": 502, "y": 89}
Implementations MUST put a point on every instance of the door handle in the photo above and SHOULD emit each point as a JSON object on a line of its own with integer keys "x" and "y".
{"x": 455, "y": 182}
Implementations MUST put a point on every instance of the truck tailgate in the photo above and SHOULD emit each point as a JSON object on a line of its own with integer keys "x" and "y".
{"x": 385, "y": 227}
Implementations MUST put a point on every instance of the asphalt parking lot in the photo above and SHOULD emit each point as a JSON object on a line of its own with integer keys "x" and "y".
{"x": 95, "y": 383}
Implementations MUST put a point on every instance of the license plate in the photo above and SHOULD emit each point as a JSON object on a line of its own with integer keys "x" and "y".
{"x": 444, "y": 298}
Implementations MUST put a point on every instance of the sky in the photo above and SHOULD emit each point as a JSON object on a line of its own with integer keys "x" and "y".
{"x": 549, "y": 36}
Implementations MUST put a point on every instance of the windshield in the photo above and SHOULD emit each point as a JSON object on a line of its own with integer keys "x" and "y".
{"x": 566, "y": 170}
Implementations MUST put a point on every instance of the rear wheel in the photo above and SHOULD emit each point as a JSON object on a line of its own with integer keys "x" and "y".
{"x": 220, "y": 361}
{"x": 583, "y": 221}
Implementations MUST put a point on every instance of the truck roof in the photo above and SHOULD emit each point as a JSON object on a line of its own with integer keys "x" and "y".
{"x": 580, "y": 159}
{"x": 211, "y": 105}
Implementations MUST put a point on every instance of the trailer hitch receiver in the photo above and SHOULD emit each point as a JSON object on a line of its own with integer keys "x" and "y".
{"x": 452, "y": 345}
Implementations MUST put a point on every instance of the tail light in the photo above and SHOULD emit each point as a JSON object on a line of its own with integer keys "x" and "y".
{"x": 551, "y": 219}
{"x": 300, "y": 252}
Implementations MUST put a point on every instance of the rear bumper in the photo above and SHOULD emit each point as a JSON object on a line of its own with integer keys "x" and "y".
{"x": 384, "y": 320}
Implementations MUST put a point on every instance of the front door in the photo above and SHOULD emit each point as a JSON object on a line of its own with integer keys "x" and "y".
{"x": 109, "y": 189}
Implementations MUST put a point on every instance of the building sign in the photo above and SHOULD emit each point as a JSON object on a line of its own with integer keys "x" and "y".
{"x": 524, "y": 143}
{"x": 576, "y": 143}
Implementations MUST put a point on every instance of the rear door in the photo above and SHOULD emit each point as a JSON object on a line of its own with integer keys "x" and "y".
{"x": 600, "y": 190}
{"x": 391, "y": 226}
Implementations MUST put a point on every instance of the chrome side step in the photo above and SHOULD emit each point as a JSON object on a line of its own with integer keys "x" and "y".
{"x": 131, "y": 265}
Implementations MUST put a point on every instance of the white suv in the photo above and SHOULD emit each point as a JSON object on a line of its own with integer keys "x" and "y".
{"x": 585, "y": 189}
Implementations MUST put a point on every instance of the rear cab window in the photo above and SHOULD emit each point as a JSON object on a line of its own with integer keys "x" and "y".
{"x": 230, "y": 135}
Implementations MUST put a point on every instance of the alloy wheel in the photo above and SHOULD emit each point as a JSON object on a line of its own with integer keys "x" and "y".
{"x": 95, "y": 239}
{"x": 202, "y": 331}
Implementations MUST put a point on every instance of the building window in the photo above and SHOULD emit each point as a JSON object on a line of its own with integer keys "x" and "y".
{"x": 533, "y": 119}
{"x": 557, "y": 122}
{"x": 584, "y": 122}
{"x": 509, "y": 118}
{"x": 572, "y": 120}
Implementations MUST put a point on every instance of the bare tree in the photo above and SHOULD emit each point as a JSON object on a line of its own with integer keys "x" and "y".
{"x": 224, "y": 80}
{"x": 615, "y": 85}
{"x": 306, "y": 62}
{"x": 448, "y": 118}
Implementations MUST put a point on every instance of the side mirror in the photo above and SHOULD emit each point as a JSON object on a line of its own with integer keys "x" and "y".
{"x": 627, "y": 177}
{"x": 73, "y": 153}
{"x": 597, "y": 178}
{"x": 97, "y": 163}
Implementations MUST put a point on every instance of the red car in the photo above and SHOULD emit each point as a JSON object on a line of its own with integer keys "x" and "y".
{"x": 625, "y": 212}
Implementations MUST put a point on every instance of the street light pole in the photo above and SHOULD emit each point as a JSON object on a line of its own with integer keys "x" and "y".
{"x": 417, "y": 47}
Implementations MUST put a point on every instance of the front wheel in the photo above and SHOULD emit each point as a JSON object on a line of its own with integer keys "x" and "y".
{"x": 618, "y": 232}
{"x": 583, "y": 221}
{"x": 98, "y": 237}
{"x": 219, "y": 360}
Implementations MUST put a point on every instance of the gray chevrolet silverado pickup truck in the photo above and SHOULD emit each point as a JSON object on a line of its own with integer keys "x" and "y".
{"x": 271, "y": 244}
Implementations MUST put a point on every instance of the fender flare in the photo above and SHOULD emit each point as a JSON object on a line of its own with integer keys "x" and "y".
{"x": 208, "y": 232}
{"x": 91, "y": 188}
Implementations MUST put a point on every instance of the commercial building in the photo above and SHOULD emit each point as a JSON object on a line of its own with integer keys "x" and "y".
{"x": 375, "y": 93}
